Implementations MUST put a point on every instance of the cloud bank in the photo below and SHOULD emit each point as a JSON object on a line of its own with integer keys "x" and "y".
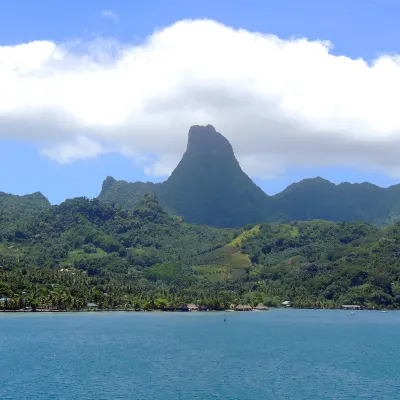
{"x": 280, "y": 102}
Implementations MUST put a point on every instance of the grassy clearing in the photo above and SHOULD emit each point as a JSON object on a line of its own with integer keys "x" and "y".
{"x": 237, "y": 242}
{"x": 76, "y": 255}
{"x": 221, "y": 264}
{"x": 239, "y": 261}
{"x": 218, "y": 256}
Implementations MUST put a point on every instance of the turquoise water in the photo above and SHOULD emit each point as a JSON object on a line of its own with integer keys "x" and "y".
{"x": 280, "y": 354}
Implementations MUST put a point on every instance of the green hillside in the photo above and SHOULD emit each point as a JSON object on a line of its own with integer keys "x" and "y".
{"x": 14, "y": 210}
{"x": 85, "y": 251}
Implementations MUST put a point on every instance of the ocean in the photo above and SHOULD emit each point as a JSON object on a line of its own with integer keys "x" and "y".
{"x": 278, "y": 354}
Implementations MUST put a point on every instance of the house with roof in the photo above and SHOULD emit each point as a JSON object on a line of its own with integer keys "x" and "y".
{"x": 243, "y": 307}
{"x": 260, "y": 307}
{"x": 351, "y": 307}
{"x": 286, "y": 303}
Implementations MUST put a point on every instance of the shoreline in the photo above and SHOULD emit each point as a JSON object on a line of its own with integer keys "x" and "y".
{"x": 188, "y": 312}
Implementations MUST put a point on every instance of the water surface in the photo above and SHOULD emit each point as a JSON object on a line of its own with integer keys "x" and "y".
{"x": 279, "y": 354}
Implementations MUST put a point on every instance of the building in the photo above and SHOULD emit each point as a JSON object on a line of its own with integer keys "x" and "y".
{"x": 188, "y": 307}
{"x": 243, "y": 307}
{"x": 182, "y": 307}
{"x": 351, "y": 307}
{"x": 92, "y": 305}
{"x": 260, "y": 307}
{"x": 47, "y": 307}
{"x": 286, "y": 303}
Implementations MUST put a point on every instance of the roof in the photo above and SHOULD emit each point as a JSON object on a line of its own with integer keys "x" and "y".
{"x": 243, "y": 306}
{"x": 4, "y": 299}
{"x": 192, "y": 306}
{"x": 261, "y": 307}
{"x": 92, "y": 305}
{"x": 286, "y": 302}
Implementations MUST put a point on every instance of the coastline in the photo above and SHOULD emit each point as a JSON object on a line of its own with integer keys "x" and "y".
{"x": 187, "y": 312}
{"x": 114, "y": 310}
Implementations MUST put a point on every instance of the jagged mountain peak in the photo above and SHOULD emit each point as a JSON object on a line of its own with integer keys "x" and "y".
{"x": 108, "y": 182}
{"x": 204, "y": 139}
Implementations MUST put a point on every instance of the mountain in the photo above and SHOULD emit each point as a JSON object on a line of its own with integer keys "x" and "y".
{"x": 209, "y": 187}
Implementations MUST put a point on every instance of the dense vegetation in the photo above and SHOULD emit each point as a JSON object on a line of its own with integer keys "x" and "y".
{"x": 85, "y": 251}
{"x": 13, "y": 206}
{"x": 209, "y": 187}
{"x": 328, "y": 264}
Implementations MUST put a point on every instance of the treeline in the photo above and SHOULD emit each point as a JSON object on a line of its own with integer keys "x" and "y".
{"x": 83, "y": 251}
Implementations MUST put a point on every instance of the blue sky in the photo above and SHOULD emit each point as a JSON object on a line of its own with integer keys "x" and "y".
{"x": 357, "y": 28}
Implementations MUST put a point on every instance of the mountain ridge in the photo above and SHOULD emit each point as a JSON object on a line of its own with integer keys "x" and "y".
{"x": 203, "y": 185}
{"x": 208, "y": 187}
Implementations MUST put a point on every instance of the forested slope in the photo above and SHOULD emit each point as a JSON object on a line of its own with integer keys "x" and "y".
{"x": 84, "y": 250}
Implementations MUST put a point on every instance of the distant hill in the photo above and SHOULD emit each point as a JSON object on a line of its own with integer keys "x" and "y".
{"x": 16, "y": 211}
{"x": 23, "y": 204}
{"x": 125, "y": 194}
{"x": 209, "y": 187}
{"x": 318, "y": 198}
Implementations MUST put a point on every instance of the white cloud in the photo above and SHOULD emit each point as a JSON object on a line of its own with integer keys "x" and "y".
{"x": 109, "y": 14}
{"x": 279, "y": 102}
{"x": 80, "y": 148}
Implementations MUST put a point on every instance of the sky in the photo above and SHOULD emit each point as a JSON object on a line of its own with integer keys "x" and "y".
{"x": 97, "y": 88}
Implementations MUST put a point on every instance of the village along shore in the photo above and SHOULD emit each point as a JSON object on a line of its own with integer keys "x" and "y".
{"x": 93, "y": 307}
